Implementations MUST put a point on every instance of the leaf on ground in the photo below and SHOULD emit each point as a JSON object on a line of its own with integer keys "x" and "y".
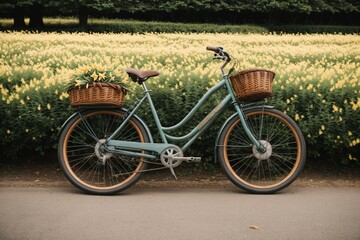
{"x": 256, "y": 227}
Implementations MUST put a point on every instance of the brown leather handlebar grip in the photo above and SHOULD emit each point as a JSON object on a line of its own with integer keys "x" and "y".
{"x": 214, "y": 49}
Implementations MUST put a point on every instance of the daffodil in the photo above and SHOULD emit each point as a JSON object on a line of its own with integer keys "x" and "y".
{"x": 94, "y": 76}
{"x": 102, "y": 76}
{"x": 78, "y": 83}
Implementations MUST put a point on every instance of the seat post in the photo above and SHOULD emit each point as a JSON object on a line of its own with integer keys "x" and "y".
{"x": 145, "y": 88}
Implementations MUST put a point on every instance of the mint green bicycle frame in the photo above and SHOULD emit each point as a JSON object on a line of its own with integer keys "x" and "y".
{"x": 132, "y": 148}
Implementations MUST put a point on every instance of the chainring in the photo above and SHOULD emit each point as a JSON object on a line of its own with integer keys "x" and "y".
{"x": 167, "y": 155}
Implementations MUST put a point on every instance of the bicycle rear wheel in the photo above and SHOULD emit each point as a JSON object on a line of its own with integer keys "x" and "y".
{"x": 266, "y": 172}
{"x": 85, "y": 162}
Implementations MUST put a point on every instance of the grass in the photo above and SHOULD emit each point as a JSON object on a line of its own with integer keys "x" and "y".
{"x": 60, "y": 24}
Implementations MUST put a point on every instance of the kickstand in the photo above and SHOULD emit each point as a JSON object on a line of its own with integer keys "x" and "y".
{"x": 173, "y": 173}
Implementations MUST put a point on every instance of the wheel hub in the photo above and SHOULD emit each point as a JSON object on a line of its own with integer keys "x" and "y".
{"x": 100, "y": 154}
{"x": 268, "y": 150}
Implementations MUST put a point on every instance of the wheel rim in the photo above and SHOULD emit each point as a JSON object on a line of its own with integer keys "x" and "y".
{"x": 81, "y": 152}
{"x": 259, "y": 172}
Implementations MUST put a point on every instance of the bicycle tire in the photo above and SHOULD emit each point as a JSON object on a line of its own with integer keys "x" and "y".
{"x": 85, "y": 167}
{"x": 252, "y": 171}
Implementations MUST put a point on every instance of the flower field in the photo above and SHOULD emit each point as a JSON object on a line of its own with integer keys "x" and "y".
{"x": 317, "y": 81}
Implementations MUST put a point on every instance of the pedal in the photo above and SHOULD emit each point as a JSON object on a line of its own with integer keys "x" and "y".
{"x": 188, "y": 159}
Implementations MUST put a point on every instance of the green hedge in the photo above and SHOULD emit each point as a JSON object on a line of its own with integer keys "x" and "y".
{"x": 132, "y": 26}
{"x": 32, "y": 126}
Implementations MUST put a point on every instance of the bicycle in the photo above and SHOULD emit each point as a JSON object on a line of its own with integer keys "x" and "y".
{"x": 105, "y": 149}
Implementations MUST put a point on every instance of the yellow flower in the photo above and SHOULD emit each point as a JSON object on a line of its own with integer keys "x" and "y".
{"x": 48, "y": 106}
{"x": 335, "y": 108}
{"x": 322, "y": 127}
{"x": 85, "y": 69}
{"x": 350, "y": 133}
{"x": 111, "y": 76}
{"x": 94, "y": 76}
{"x": 297, "y": 118}
{"x": 101, "y": 76}
{"x": 39, "y": 107}
{"x": 78, "y": 83}
{"x": 8, "y": 131}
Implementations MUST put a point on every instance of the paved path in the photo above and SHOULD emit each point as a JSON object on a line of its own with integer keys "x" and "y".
{"x": 173, "y": 213}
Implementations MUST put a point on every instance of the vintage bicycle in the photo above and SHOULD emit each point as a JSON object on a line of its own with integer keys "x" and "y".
{"x": 104, "y": 149}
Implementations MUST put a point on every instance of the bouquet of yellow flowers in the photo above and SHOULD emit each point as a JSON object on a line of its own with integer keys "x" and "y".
{"x": 95, "y": 75}
{"x": 91, "y": 85}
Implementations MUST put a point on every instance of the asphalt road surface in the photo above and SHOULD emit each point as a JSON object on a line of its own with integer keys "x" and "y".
{"x": 172, "y": 213}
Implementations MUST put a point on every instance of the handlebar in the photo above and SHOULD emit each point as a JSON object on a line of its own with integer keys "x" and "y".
{"x": 219, "y": 53}
{"x": 214, "y": 49}
{"x": 222, "y": 55}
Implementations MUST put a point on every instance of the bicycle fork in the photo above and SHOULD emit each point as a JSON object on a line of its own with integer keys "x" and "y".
{"x": 258, "y": 143}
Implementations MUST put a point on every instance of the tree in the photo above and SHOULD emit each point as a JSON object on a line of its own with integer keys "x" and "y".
{"x": 36, "y": 14}
{"x": 82, "y": 8}
{"x": 18, "y": 9}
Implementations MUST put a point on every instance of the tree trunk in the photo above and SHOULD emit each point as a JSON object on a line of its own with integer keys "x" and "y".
{"x": 36, "y": 16}
{"x": 19, "y": 18}
{"x": 83, "y": 15}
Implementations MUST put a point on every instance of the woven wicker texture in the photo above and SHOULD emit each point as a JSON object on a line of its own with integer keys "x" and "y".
{"x": 103, "y": 94}
{"x": 252, "y": 84}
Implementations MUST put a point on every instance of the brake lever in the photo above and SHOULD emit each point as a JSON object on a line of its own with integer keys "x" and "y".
{"x": 218, "y": 58}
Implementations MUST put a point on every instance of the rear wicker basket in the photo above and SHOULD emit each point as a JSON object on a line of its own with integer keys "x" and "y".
{"x": 99, "y": 94}
{"x": 252, "y": 84}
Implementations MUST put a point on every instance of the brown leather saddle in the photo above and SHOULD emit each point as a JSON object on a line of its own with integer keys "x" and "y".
{"x": 141, "y": 76}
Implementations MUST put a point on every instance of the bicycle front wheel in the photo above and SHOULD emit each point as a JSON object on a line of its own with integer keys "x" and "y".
{"x": 258, "y": 172}
{"x": 85, "y": 162}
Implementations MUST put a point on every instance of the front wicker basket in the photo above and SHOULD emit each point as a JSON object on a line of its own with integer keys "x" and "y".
{"x": 252, "y": 84}
{"x": 99, "y": 94}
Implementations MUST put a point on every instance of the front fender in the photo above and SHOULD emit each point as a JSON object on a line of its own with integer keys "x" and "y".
{"x": 246, "y": 110}
{"x": 87, "y": 108}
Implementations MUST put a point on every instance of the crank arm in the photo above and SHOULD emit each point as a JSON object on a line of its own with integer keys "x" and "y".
{"x": 188, "y": 159}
